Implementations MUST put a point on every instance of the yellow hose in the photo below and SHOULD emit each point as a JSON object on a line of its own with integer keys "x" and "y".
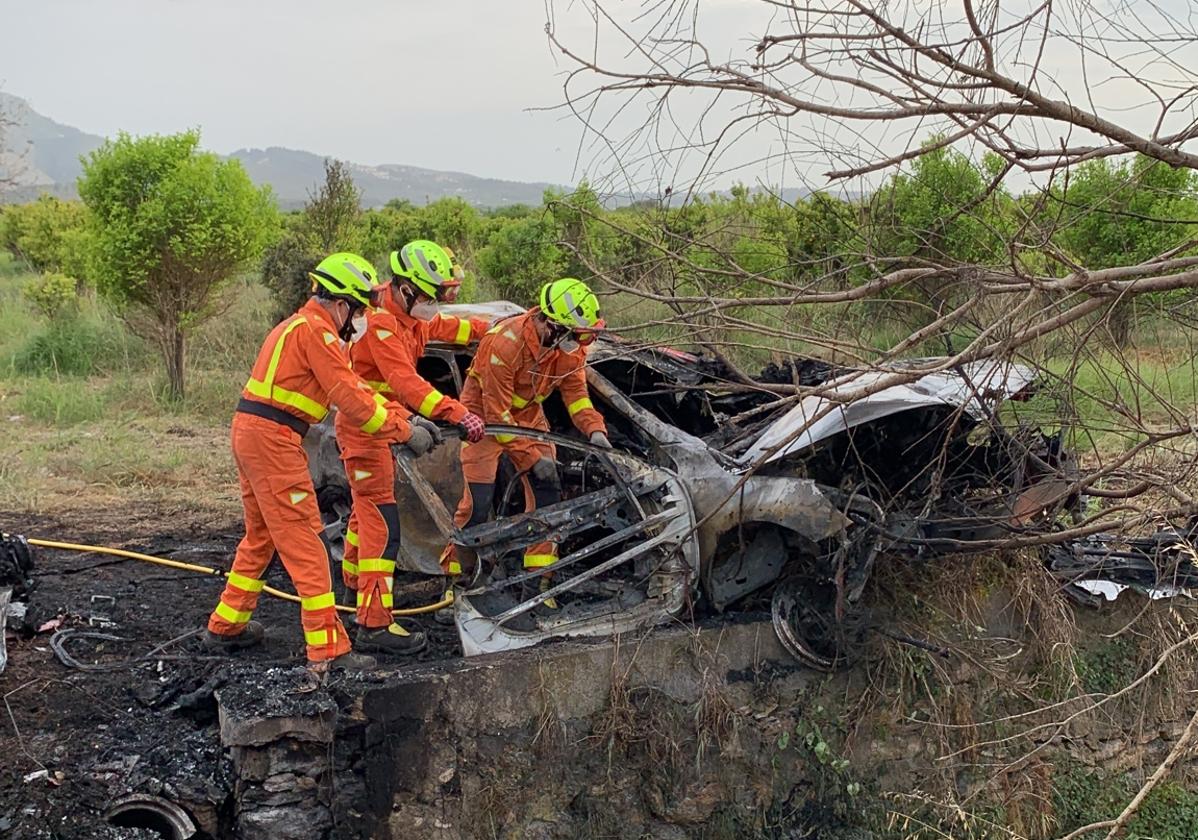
{"x": 446, "y": 601}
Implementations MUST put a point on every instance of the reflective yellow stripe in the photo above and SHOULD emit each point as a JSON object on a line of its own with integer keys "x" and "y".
{"x": 376, "y": 421}
{"x": 380, "y": 386}
{"x": 318, "y": 638}
{"x": 246, "y": 584}
{"x": 507, "y": 417}
{"x": 351, "y": 537}
{"x": 463, "y": 336}
{"x": 231, "y": 615}
{"x": 377, "y": 564}
{"x": 363, "y": 599}
{"x": 350, "y": 568}
{"x": 540, "y": 398}
{"x": 518, "y": 401}
{"x": 430, "y": 402}
{"x": 455, "y": 568}
{"x": 537, "y": 561}
{"x": 579, "y": 405}
{"x": 379, "y": 399}
{"x": 267, "y": 390}
{"x": 504, "y": 438}
{"x": 387, "y": 600}
{"x": 318, "y": 602}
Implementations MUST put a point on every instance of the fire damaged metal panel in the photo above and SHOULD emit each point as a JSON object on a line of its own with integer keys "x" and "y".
{"x": 819, "y": 417}
{"x": 656, "y": 536}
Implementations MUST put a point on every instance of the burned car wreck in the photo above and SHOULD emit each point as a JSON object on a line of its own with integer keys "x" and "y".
{"x": 721, "y": 491}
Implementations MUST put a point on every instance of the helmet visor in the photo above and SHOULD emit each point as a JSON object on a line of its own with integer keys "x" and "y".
{"x": 448, "y": 292}
{"x": 588, "y": 335}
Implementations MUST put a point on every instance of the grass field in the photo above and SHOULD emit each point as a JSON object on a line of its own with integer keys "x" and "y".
{"x": 87, "y": 421}
{"x": 85, "y": 413}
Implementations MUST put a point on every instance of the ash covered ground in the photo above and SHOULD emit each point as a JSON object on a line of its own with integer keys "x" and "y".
{"x": 74, "y": 741}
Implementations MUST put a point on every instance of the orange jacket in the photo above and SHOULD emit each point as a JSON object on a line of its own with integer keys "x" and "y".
{"x": 513, "y": 374}
{"x": 302, "y": 370}
{"x": 386, "y": 355}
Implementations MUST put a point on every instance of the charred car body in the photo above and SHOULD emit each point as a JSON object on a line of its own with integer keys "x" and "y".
{"x": 720, "y": 490}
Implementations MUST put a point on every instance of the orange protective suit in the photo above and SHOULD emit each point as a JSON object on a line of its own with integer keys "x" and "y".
{"x": 512, "y": 375}
{"x": 301, "y": 370}
{"x": 385, "y": 356}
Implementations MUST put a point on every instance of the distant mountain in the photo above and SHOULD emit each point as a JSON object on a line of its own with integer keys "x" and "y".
{"x": 294, "y": 173}
{"x": 44, "y": 156}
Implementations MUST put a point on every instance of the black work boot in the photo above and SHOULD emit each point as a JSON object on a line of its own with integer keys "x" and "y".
{"x": 392, "y": 640}
{"x": 249, "y": 637}
{"x": 445, "y": 614}
{"x": 350, "y": 661}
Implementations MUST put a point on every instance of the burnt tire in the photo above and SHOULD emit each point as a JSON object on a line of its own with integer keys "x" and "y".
{"x": 803, "y": 609}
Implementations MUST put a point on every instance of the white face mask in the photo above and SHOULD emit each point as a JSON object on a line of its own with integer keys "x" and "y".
{"x": 359, "y": 323}
{"x": 424, "y": 310}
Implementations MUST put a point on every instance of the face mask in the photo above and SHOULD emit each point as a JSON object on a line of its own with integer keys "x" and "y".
{"x": 424, "y": 310}
{"x": 358, "y": 322}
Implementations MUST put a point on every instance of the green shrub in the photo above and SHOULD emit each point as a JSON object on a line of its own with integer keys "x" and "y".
{"x": 59, "y": 402}
{"x": 9, "y": 265}
{"x": 78, "y": 346}
{"x": 52, "y": 295}
{"x": 1083, "y": 795}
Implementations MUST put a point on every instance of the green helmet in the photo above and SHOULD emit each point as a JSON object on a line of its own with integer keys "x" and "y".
{"x": 571, "y": 304}
{"x": 347, "y": 276}
{"x": 426, "y": 265}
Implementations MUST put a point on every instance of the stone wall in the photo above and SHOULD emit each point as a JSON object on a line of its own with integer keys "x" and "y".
{"x": 682, "y": 733}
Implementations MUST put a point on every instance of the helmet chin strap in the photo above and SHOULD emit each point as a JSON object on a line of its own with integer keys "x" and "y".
{"x": 346, "y": 331}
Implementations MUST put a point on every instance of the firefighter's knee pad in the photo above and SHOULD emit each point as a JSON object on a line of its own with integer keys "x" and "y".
{"x": 390, "y": 514}
{"x": 546, "y": 491}
{"x": 482, "y": 496}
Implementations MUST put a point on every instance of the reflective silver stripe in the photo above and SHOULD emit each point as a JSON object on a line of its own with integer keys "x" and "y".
{"x": 578, "y": 319}
{"x": 356, "y": 272}
{"x": 419, "y": 254}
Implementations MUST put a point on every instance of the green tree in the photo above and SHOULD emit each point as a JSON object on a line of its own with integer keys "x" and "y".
{"x": 171, "y": 226}
{"x": 331, "y": 221}
{"x": 332, "y": 218}
{"x": 942, "y": 213}
{"x": 521, "y": 256}
{"x": 1125, "y": 213}
{"x": 452, "y": 222}
{"x": 49, "y": 234}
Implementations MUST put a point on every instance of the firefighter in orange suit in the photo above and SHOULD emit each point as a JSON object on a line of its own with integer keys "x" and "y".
{"x": 300, "y": 371}
{"x": 519, "y": 363}
{"x": 403, "y": 320}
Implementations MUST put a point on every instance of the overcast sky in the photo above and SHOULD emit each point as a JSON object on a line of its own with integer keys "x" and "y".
{"x": 443, "y": 84}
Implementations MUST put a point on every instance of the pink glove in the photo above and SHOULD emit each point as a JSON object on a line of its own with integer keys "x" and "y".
{"x": 473, "y": 426}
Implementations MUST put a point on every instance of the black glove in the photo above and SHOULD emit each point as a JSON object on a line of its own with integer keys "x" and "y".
{"x": 545, "y": 469}
{"x": 416, "y": 421}
{"x": 421, "y": 442}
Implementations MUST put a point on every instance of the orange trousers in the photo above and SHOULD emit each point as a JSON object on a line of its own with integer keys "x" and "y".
{"x": 280, "y": 516}
{"x": 480, "y": 463}
{"x": 372, "y": 538}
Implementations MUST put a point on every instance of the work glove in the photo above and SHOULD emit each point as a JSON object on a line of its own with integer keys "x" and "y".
{"x": 428, "y": 425}
{"x": 473, "y": 427}
{"x": 600, "y": 439}
{"x": 421, "y": 442}
{"x": 545, "y": 469}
